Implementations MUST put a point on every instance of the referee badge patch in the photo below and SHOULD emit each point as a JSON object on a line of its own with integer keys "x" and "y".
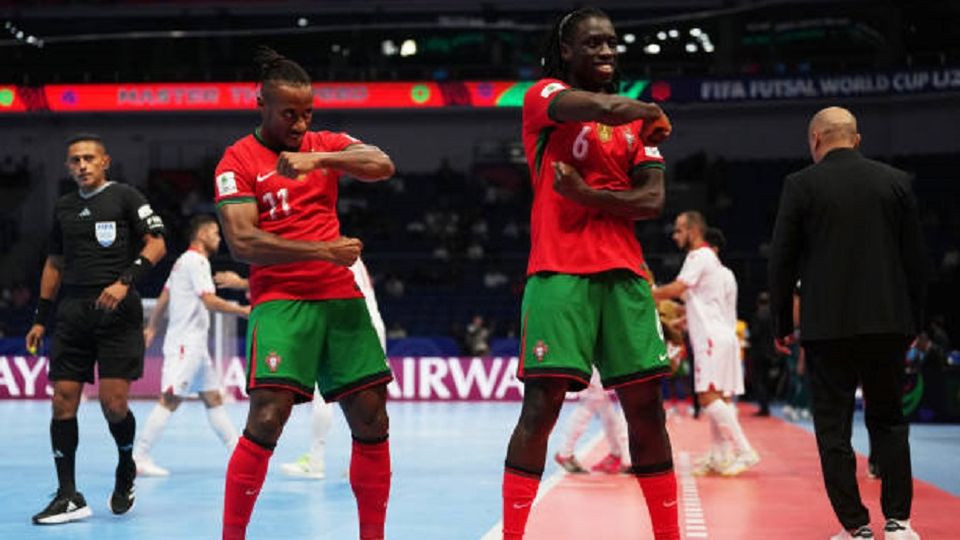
{"x": 106, "y": 232}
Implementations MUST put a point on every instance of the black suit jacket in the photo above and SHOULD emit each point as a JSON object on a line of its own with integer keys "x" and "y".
{"x": 848, "y": 228}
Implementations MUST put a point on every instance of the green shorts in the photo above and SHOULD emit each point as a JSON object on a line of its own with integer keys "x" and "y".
{"x": 295, "y": 344}
{"x": 607, "y": 319}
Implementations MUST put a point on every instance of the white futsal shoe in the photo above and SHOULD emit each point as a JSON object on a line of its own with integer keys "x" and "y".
{"x": 710, "y": 464}
{"x": 899, "y": 530}
{"x": 146, "y": 467}
{"x": 304, "y": 467}
{"x": 862, "y": 532}
{"x": 741, "y": 463}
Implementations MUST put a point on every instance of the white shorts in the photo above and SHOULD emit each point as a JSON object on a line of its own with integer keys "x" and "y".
{"x": 188, "y": 369}
{"x": 717, "y": 364}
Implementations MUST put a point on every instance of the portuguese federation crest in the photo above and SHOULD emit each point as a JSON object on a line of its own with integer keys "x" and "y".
{"x": 273, "y": 361}
{"x": 540, "y": 350}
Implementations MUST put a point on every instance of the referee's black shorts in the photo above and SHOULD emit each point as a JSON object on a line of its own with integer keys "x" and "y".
{"x": 85, "y": 335}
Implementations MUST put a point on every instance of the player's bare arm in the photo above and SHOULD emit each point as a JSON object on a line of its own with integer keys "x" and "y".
{"x": 363, "y": 162}
{"x": 228, "y": 279}
{"x": 154, "y": 249}
{"x": 159, "y": 309}
{"x": 672, "y": 290}
{"x": 642, "y": 201}
{"x": 611, "y": 109}
{"x": 49, "y": 287}
{"x": 250, "y": 244}
{"x": 215, "y": 303}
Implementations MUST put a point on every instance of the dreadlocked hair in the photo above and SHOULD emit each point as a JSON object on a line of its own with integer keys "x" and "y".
{"x": 562, "y": 32}
{"x": 275, "y": 68}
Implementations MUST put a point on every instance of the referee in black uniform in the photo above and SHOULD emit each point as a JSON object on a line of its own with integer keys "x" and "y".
{"x": 105, "y": 238}
{"x": 849, "y": 227}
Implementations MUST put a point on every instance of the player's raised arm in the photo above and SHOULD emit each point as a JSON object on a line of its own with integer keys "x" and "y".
{"x": 361, "y": 161}
{"x": 611, "y": 109}
{"x": 250, "y": 244}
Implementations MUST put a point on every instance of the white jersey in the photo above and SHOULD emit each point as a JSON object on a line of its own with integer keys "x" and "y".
{"x": 189, "y": 323}
{"x": 711, "y": 294}
{"x": 730, "y": 298}
{"x": 711, "y": 300}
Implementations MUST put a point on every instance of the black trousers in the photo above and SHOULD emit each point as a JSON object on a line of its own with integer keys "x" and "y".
{"x": 836, "y": 367}
{"x": 761, "y": 380}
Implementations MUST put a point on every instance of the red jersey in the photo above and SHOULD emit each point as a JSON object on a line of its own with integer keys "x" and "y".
{"x": 566, "y": 236}
{"x": 300, "y": 209}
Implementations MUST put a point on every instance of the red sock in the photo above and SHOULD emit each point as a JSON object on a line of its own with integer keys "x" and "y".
{"x": 660, "y": 491}
{"x": 519, "y": 490}
{"x": 370, "y": 480}
{"x": 245, "y": 474}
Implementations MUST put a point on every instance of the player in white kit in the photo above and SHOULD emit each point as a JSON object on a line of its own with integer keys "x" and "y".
{"x": 595, "y": 401}
{"x": 190, "y": 295}
{"x": 709, "y": 291}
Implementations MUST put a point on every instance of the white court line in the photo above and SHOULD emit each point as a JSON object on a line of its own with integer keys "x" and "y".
{"x": 496, "y": 532}
{"x": 695, "y": 526}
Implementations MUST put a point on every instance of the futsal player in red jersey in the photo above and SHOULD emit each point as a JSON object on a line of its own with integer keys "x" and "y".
{"x": 276, "y": 193}
{"x": 595, "y": 170}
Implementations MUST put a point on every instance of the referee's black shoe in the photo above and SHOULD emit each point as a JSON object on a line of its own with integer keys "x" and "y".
{"x": 64, "y": 508}
{"x": 123, "y": 492}
{"x": 122, "y": 500}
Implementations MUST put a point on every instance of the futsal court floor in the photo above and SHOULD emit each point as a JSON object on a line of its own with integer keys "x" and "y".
{"x": 447, "y": 467}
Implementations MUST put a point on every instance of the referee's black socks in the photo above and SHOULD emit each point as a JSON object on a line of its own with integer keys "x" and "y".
{"x": 63, "y": 439}
{"x": 123, "y": 433}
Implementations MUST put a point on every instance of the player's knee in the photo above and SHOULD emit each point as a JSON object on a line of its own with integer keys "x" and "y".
{"x": 65, "y": 405}
{"x": 369, "y": 422}
{"x": 170, "y": 401}
{"x": 267, "y": 422}
{"x": 114, "y": 408}
{"x": 211, "y": 399}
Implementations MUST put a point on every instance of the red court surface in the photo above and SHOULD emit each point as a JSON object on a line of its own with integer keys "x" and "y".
{"x": 782, "y": 497}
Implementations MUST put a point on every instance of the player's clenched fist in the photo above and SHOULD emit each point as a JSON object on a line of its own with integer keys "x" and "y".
{"x": 344, "y": 250}
{"x": 293, "y": 164}
{"x": 656, "y": 131}
{"x": 566, "y": 180}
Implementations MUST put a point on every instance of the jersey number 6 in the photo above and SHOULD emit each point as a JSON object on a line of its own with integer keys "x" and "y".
{"x": 581, "y": 144}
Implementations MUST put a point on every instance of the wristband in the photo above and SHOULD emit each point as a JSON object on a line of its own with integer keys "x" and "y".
{"x": 137, "y": 270}
{"x": 42, "y": 314}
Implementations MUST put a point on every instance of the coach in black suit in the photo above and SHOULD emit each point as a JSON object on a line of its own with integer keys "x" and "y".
{"x": 848, "y": 228}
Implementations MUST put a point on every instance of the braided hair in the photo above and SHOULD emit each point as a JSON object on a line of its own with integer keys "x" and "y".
{"x": 274, "y": 68}
{"x": 562, "y": 32}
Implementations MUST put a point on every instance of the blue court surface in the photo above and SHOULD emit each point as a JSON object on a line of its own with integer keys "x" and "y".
{"x": 447, "y": 468}
{"x": 447, "y": 463}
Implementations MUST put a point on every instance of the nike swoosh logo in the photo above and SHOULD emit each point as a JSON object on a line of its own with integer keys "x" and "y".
{"x": 670, "y": 503}
{"x": 262, "y": 177}
{"x": 664, "y": 357}
{"x": 518, "y": 506}
{"x": 251, "y": 492}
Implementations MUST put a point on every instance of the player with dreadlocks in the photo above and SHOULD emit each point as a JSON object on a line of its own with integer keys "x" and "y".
{"x": 276, "y": 193}
{"x": 595, "y": 170}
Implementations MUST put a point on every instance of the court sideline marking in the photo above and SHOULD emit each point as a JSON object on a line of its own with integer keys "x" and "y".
{"x": 694, "y": 523}
{"x": 496, "y": 532}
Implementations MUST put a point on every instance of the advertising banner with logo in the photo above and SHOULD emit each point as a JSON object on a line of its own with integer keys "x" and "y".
{"x": 426, "y": 378}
